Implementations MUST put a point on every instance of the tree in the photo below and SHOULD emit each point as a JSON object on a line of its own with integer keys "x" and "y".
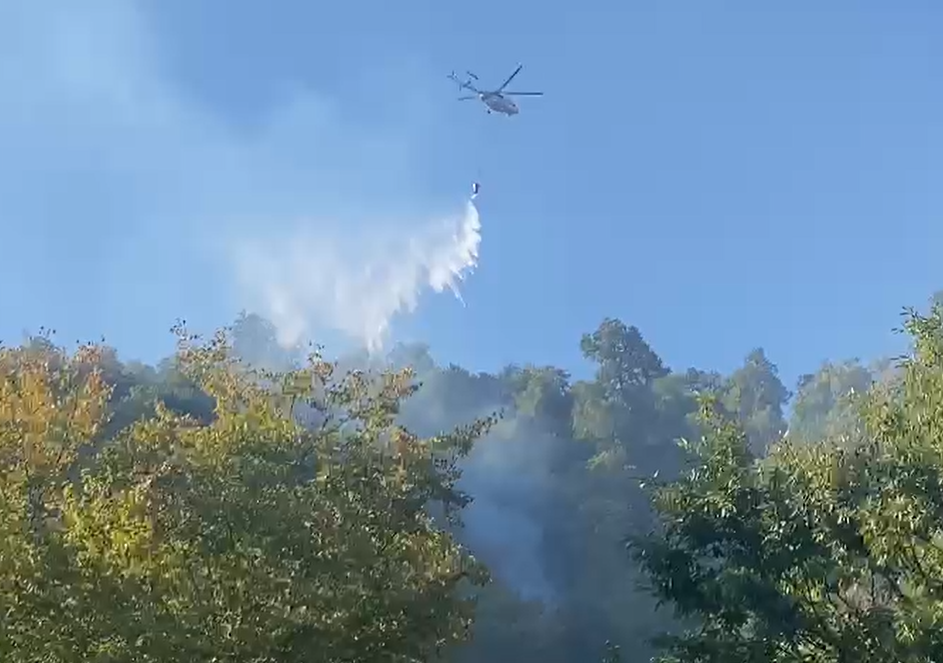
{"x": 628, "y": 417}
{"x": 827, "y": 402}
{"x": 255, "y": 342}
{"x": 819, "y": 552}
{"x": 625, "y": 363}
{"x": 617, "y": 410}
{"x": 756, "y": 396}
{"x": 245, "y": 538}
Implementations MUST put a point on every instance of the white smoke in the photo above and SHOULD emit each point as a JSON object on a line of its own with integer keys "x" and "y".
{"x": 313, "y": 280}
{"x": 108, "y": 153}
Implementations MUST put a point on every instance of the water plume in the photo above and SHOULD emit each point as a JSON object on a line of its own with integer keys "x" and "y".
{"x": 313, "y": 279}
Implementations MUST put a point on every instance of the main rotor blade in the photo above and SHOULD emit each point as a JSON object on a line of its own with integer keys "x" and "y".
{"x": 522, "y": 94}
{"x": 466, "y": 98}
{"x": 511, "y": 77}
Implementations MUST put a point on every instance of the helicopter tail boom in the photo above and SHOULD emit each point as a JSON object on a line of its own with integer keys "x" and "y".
{"x": 463, "y": 85}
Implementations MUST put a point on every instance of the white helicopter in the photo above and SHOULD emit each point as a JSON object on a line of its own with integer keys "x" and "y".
{"x": 498, "y": 100}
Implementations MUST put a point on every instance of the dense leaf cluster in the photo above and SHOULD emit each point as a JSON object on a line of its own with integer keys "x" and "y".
{"x": 826, "y": 552}
{"x": 239, "y": 502}
{"x": 242, "y": 536}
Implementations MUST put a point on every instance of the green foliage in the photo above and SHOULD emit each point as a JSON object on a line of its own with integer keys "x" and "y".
{"x": 626, "y": 364}
{"x": 817, "y": 553}
{"x": 245, "y": 538}
{"x": 619, "y": 411}
{"x": 828, "y": 402}
{"x": 561, "y": 461}
{"x": 542, "y": 395}
{"x": 756, "y": 396}
{"x": 205, "y": 509}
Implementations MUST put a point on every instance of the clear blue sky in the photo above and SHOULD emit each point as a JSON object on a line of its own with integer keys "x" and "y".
{"x": 722, "y": 174}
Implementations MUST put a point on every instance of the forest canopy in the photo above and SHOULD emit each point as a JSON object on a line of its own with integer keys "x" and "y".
{"x": 245, "y": 502}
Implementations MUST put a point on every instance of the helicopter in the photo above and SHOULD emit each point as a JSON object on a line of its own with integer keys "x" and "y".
{"x": 497, "y": 101}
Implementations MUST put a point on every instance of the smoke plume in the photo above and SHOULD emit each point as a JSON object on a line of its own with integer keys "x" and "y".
{"x": 181, "y": 202}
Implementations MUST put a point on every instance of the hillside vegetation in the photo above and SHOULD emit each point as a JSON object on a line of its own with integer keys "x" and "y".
{"x": 241, "y": 502}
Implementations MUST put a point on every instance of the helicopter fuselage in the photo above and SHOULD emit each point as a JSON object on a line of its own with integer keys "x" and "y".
{"x": 499, "y": 104}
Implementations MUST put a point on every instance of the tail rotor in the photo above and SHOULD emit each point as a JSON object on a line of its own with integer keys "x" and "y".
{"x": 466, "y": 84}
